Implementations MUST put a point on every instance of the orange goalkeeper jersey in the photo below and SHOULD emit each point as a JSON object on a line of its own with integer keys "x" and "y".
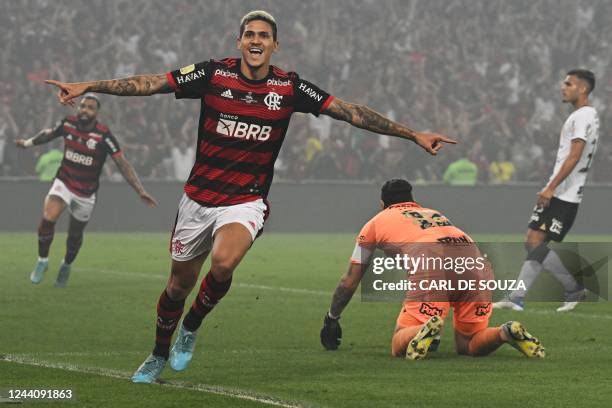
{"x": 405, "y": 223}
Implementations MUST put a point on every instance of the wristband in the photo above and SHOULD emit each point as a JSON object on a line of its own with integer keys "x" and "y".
{"x": 332, "y": 317}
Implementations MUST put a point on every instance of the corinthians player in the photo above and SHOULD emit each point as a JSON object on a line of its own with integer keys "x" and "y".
{"x": 87, "y": 143}
{"x": 558, "y": 201}
{"x": 246, "y": 104}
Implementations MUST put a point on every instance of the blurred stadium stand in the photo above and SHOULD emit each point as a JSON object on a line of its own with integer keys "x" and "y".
{"x": 485, "y": 72}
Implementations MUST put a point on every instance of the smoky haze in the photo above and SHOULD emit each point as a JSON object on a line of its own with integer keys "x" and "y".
{"x": 487, "y": 73}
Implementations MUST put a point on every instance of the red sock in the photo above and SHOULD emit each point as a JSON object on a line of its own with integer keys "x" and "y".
{"x": 46, "y": 229}
{"x": 210, "y": 293}
{"x": 169, "y": 313}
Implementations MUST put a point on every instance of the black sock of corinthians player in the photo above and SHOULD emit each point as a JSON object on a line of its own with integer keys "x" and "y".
{"x": 169, "y": 313}
{"x": 210, "y": 293}
{"x": 74, "y": 240}
{"x": 46, "y": 229}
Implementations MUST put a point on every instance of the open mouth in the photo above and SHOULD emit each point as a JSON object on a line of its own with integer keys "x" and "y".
{"x": 255, "y": 51}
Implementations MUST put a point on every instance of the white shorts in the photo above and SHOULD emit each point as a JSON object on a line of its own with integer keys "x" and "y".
{"x": 196, "y": 225}
{"x": 81, "y": 208}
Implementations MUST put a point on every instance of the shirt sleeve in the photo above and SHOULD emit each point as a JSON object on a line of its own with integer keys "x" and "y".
{"x": 582, "y": 126}
{"x": 365, "y": 245}
{"x": 111, "y": 145}
{"x": 190, "y": 81}
{"x": 58, "y": 129}
{"x": 309, "y": 98}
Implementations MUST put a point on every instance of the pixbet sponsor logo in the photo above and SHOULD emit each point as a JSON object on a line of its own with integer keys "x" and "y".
{"x": 226, "y": 74}
{"x": 229, "y": 126}
{"x": 277, "y": 82}
{"x": 79, "y": 158}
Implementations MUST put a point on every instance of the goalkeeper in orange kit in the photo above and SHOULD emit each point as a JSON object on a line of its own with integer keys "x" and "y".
{"x": 403, "y": 222}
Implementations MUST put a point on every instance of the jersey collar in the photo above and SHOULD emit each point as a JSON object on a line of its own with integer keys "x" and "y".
{"x": 253, "y": 81}
{"x": 404, "y": 204}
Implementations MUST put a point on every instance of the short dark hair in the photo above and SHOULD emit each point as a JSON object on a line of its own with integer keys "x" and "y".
{"x": 93, "y": 97}
{"x": 258, "y": 15}
{"x": 586, "y": 75}
{"x": 396, "y": 191}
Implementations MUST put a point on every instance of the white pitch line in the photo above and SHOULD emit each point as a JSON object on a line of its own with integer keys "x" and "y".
{"x": 122, "y": 375}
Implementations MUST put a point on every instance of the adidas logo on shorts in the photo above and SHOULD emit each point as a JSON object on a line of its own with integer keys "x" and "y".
{"x": 227, "y": 94}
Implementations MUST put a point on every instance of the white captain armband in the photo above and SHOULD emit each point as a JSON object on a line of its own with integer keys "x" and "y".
{"x": 361, "y": 255}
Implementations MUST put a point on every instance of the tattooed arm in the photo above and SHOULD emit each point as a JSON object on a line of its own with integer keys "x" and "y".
{"x": 365, "y": 118}
{"x": 346, "y": 288}
{"x": 139, "y": 85}
{"x": 41, "y": 137}
{"x": 130, "y": 176}
{"x": 331, "y": 333}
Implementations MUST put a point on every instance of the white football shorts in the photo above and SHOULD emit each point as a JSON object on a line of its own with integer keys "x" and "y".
{"x": 81, "y": 208}
{"x": 196, "y": 225}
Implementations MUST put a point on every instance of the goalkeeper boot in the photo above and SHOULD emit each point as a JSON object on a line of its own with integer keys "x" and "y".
{"x": 419, "y": 345}
{"x": 520, "y": 339}
{"x": 63, "y": 275}
{"x": 182, "y": 351}
{"x": 39, "y": 271}
{"x": 435, "y": 343}
{"x": 150, "y": 370}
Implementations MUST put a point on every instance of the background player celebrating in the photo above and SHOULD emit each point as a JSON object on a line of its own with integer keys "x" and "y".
{"x": 87, "y": 142}
{"x": 246, "y": 107}
{"x": 558, "y": 202}
{"x": 403, "y": 222}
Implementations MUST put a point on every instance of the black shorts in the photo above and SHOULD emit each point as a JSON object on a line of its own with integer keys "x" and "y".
{"x": 556, "y": 219}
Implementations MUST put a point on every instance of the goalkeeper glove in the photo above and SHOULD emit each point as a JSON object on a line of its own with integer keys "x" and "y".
{"x": 331, "y": 333}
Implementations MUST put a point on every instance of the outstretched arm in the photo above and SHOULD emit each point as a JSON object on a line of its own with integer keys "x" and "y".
{"x": 131, "y": 177}
{"x": 363, "y": 117}
{"x": 41, "y": 137}
{"x": 138, "y": 85}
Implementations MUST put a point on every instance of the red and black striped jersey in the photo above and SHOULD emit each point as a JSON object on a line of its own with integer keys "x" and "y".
{"x": 241, "y": 128}
{"x": 84, "y": 155}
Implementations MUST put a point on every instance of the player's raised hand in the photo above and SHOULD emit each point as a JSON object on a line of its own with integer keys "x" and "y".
{"x": 21, "y": 143}
{"x": 432, "y": 142}
{"x": 331, "y": 333}
{"x": 68, "y": 91}
{"x": 148, "y": 200}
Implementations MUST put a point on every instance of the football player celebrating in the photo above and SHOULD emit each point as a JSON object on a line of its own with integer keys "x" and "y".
{"x": 87, "y": 143}
{"x": 246, "y": 104}
{"x": 405, "y": 226}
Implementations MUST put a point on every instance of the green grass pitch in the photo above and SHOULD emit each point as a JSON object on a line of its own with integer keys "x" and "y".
{"x": 261, "y": 344}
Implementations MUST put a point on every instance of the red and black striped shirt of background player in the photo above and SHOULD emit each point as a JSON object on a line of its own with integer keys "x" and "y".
{"x": 241, "y": 128}
{"x": 84, "y": 155}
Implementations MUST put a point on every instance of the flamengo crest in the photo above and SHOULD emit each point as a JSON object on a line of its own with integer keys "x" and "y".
{"x": 273, "y": 101}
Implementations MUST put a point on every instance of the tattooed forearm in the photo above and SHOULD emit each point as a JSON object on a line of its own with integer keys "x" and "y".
{"x": 342, "y": 296}
{"x": 43, "y": 137}
{"x": 366, "y": 118}
{"x": 129, "y": 174}
{"x": 139, "y": 85}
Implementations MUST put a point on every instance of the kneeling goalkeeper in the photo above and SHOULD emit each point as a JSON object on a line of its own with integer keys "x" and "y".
{"x": 403, "y": 221}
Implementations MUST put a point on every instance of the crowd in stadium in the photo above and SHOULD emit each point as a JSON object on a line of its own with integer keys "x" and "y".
{"x": 487, "y": 73}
